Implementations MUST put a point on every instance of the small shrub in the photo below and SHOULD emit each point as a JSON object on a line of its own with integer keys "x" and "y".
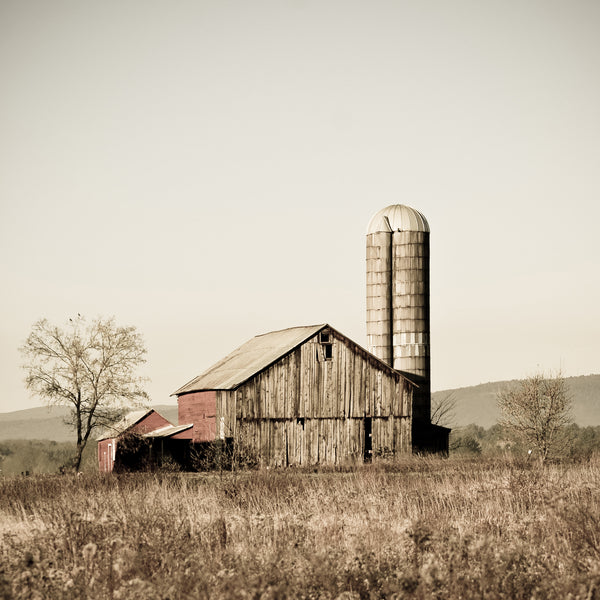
{"x": 465, "y": 445}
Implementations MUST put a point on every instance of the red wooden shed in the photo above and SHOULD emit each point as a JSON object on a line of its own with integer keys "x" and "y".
{"x": 137, "y": 422}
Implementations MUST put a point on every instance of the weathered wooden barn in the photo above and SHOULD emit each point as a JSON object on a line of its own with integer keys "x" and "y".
{"x": 301, "y": 396}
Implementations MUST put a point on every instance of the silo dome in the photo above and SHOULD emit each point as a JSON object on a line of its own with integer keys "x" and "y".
{"x": 397, "y": 217}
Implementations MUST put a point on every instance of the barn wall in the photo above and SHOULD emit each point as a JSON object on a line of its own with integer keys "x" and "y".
{"x": 307, "y": 409}
{"x": 305, "y": 384}
{"x": 199, "y": 408}
{"x": 225, "y": 414}
{"x": 323, "y": 441}
{"x": 149, "y": 423}
{"x": 106, "y": 455}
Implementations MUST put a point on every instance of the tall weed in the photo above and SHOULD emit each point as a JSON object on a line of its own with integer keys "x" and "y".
{"x": 420, "y": 528}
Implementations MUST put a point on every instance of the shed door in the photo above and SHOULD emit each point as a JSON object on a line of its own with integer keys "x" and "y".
{"x": 109, "y": 459}
{"x": 368, "y": 450}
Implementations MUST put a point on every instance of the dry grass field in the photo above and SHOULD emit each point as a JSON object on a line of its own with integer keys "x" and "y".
{"x": 423, "y": 528}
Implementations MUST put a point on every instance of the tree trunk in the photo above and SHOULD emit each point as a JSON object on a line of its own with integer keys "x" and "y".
{"x": 80, "y": 440}
{"x": 78, "y": 455}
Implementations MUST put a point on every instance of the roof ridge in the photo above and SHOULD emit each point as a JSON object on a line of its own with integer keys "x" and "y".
{"x": 291, "y": 328}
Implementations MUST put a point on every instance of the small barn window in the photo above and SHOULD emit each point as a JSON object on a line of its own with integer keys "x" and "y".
{"x": 326, "y": 341}
{"x": 325, "y": 337}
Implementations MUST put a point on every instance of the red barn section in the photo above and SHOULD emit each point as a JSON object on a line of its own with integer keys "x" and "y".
{"x": 107, "y": 453}
{"x": 199, "y": 408}
{"x": 138, "y": 422}
{"x": 150, "y": 422}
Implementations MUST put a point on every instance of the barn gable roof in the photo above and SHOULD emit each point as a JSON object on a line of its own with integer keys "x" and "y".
{"x": 256, "y": 355}
{"x": 127, "y": 422}
{"x": 250, "y": 358}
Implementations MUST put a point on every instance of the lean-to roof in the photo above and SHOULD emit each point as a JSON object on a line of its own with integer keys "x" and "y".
{"x": 168, "y": 431}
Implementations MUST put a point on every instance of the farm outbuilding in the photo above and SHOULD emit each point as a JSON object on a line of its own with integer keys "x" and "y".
{"x": 301, "y": 396}
{"x": 141, "y": 439}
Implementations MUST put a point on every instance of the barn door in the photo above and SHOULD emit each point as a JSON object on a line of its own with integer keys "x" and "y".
{"x": 368, "y": 450}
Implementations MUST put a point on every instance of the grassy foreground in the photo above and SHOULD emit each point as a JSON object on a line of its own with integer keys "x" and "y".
{"x": 424, "y": 528}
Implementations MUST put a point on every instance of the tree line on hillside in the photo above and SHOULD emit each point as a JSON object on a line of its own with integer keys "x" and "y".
{"x": 582, "y": 442}
{"x": 43, "y": 456}
{"x": 536, "y": 420}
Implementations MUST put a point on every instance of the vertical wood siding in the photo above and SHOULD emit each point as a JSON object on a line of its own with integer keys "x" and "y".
{"x": 105, "y": 455}
{"x": 307, "y": 409}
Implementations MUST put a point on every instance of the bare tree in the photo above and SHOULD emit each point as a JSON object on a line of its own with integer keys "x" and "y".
{"x": 443, "y": 409}
{"x": 538, "y": 409}
{"x": 91, "y": 368}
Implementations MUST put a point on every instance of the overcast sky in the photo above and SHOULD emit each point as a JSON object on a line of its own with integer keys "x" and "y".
{"x": 206, "y": 170}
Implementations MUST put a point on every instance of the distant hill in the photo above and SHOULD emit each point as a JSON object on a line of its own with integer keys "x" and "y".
{"x": 45, "y": 423}
{"x": 477, "y": 404}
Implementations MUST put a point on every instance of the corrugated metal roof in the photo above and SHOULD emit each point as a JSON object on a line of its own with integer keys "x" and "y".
{"x": 168, "y": 431}
{"x": 397, "y": 217}
{"x": 250, "y": 358}
{"x": 129, "y": 420}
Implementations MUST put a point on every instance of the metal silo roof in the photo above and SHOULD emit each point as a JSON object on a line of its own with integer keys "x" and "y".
{"x": 397, "y": 217}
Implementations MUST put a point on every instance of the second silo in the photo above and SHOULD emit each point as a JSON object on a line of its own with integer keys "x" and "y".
{"x": 398, "y": 322}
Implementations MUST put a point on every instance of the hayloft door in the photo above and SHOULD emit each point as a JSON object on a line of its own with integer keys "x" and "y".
{"x": 368, "y": 450}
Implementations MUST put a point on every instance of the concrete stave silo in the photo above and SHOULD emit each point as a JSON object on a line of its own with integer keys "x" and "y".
{"x": 398, "y": 316}
{"x": 379, "y": 295}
